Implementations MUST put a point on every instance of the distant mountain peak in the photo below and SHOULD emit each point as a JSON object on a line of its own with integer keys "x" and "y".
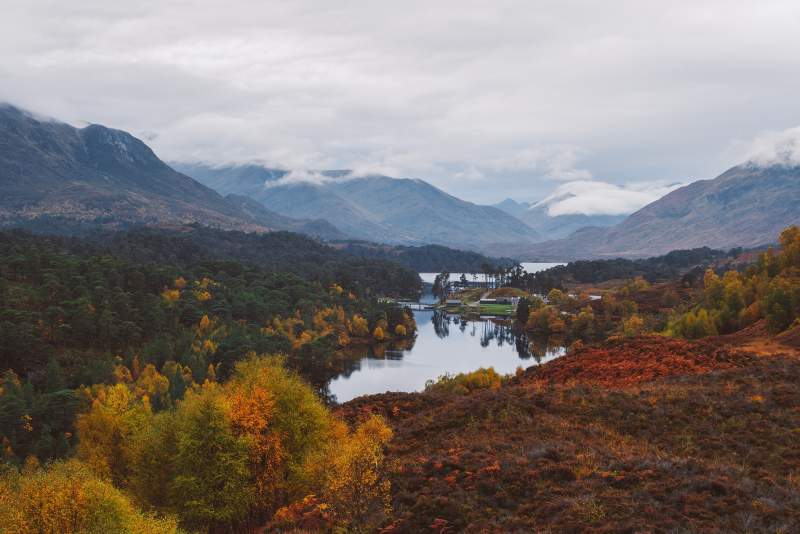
{"x": 373, "y": 207}
{"x": 537, "y": 216}
{"x": 116, "y": 149}
{"x": 746, "y": 206}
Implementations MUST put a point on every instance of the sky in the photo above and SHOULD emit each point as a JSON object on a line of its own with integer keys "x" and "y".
{"x": 612, "y": 102}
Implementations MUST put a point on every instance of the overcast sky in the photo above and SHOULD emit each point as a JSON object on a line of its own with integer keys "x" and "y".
{"x": 486, "y": 100}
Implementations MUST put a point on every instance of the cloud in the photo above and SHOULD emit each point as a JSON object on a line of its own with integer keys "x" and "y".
{"x": 775, "y": 148}
{"x": 591, "y": 197}
{"x": 486, "y": 99}
{"x": 552, "y": 162}
{"x": 299, "y": 176}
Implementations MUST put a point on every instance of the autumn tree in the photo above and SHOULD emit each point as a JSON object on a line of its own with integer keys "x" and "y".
{"x": 583, "y": 324}
{"x": 153, "y": 462}
{"x": 211, "y": 486}
{"x": 378, "y": 334}
{"x": 106, "y": 431}
{"x": 356, "y": 485}
{"x": 359, "y": 326}
{"x": 68, "y": 498}
{"x": 632, "y": 326}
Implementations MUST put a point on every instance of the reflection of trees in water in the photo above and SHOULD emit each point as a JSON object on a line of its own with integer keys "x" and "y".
{"x": 521, "y": 344}
{"x": 320, "y": 370}
{"x": 540, "y": 346}
{"x": 489, "y": 331}
{"x": 441, "y": 324}
{"x": 502, "y": 334}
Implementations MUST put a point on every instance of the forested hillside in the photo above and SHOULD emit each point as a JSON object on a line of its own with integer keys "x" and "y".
{"x": 273, "y": 251}
{"x": 74, "y": 312}
{"x": 426, "y": 258}
{"x": 658, "y": 268}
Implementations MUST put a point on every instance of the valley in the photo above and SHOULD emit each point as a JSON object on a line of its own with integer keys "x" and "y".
{"x": 348, "y": 353}
{"x": 312, "y": 267}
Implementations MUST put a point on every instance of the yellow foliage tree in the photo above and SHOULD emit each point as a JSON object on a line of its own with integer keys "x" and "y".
{"x": 106, "y": 431}
{"x": 67, "y": 498}
{"x": 356, "y": 486}
{"x": 632, "y": 326}
{"x": 252, "y": 407}
{"x": 171, "y": 295}
{"x": 378, "y": 334}
{"x": 555, "y": 296}
{"x": 295, "y": 427}
{"x": 152, "y": 385}
{"x": 359, "y": 326}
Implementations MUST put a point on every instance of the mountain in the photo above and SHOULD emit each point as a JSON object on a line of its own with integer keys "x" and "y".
{"x": 313, "y": 227}
{"x": 374, "y": 208}
{"x": 51, "y": 171}
{"x": 549, "y": 226}
{"x": 746, "y": 206}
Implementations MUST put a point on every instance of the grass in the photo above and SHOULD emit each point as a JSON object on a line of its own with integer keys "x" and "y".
{"x": 488, "y": 309}
{"x": 499, "y": 309}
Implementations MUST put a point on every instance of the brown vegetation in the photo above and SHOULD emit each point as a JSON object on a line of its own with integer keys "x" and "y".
{"x": 587, "y": 444}
{"x": 626, "y": 362}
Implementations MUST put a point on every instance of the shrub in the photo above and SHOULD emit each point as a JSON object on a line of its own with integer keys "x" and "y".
{"x": 464, "y": 383}
{"x": 67, "y": 497}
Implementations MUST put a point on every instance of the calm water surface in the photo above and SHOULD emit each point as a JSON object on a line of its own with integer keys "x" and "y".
{"x": 530, "y": 267}
{"x": 445, "y": 344}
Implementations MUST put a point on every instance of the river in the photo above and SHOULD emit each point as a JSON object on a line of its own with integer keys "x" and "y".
{"x": 445, "y": 344}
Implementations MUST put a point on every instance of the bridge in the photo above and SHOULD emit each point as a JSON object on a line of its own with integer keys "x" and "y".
{"x": 416, "y": 306}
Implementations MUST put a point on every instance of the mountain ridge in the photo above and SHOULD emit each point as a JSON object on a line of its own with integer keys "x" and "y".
{"x": 745, "y": 206}
{"x": 537, "y": 216}
{"x": 406, "y": 211}
{"x": 104, "y": 176}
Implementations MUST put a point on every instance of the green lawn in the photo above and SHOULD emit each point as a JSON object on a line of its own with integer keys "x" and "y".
{"x": 493, "y": 309}
{"x": 499, "y": 309}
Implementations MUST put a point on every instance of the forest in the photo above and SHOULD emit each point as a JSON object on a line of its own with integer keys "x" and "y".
{"x": 424, "y": 258}
{"x": 658, "y": 268}
{"x": 694, "y": 294}
{"x": 151, "y": 385}
{"x": 273, "y": 252}
{"x": 102, "y": 338}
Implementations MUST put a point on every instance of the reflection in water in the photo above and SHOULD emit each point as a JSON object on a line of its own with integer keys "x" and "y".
{"x": 441, "y": 324}
{"x": 499, "y": 331}
{"x": 445, "y": 344}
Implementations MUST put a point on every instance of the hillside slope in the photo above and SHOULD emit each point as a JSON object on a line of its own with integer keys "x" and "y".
{"x": 643, "y": 435}
{"x": 554, "y": 226}
{"x": 374, "y": 208}
{"x": 747, "y": 206}
{"x": 51, "y": 170}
